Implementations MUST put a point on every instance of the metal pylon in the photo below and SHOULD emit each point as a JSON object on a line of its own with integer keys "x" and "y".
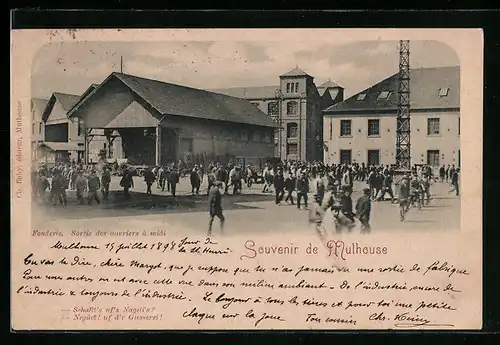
{"x": 403, "y": 152}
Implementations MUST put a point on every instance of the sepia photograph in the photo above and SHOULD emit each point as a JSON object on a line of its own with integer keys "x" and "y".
{"x": 356, "y": 136}
{"x": 212, "y": 179}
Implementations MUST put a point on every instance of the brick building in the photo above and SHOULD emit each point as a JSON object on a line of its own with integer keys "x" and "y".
{"x": 160, "y": 123}
{"x": 363, "y": 127}
{"x": 298, "y": 102}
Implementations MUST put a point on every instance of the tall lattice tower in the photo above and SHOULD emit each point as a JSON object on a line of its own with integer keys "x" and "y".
{"x": 403, "y": 152}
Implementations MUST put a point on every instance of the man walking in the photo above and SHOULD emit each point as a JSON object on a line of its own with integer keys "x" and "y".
{"x": 149, "y": 178}
{"x": 105, "y": 181}
{"x": 279, "y": 186}
{"x": 94, "y": 186}
{"x": 363, "y": 210}
{"x": 215, "y": 207}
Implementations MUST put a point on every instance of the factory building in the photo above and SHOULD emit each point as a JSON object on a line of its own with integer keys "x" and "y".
{"x": 363, "y": 128}
{"x": 162, "y": 123}
{"x": 295, "y": 104}
{"x": 62, "y": 139}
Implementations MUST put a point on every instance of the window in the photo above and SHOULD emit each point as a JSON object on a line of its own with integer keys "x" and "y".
{"x": 244, "y": 136}
{"x": 256, "y": 136}
{"x": 273, "y": 109}
{"x": 288, "y": 87}
{"x": 39, "y": 128}
{"x": 373, "y": 127}
{"x": 383, "y": 95}
{"x": 80, "y": 128}
{"x": 433, "y": 157}
{"x": 443, "y": 92}
{"x": 296, "y": 87}
{"x": 255, "y": 103}
{"x": 345, "y": 128}
{"x": 373, "y": 157}
{"x": 361, "y": 97}
{"x": 433, "y": 126}
{"x": 345, "y": 156}
{"x": 291, "y": 149}
{"x": 459, "y": 125}
{"x": 292, "y": 130}
{"x": 33, "y": 128}
{"x": 266, "y": 137}
{"x": 331, "y": 129}
{"x": 292, "y": 108}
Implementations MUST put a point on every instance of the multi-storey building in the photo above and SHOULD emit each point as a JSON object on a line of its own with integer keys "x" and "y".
{"x": 37, "y": 125}
{"x": 363, "y": 127}
{"x": 296, "y": 104}
{"x": 63, "y": 138}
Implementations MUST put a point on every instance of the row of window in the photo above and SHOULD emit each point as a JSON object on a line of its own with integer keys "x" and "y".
{"x": 442, "y": 92}
{"x": 373, "y": 157}
{"x": 433, "y": 127}
{"x": 273, "y": 109}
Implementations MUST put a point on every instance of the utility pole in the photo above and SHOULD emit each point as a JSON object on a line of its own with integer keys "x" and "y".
{"x": 403, "y": 129}
{"x": 121, "y": 64}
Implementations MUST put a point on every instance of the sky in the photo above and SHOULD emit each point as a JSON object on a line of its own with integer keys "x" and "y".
{"x": 70, "y": 67}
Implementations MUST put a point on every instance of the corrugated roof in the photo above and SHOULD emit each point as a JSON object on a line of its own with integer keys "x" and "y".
{"x": 425, "y": 85}
{"x": 252, "y": 92}
{"x": 172, "y": 99}
{"x": 55, "y": 146}
{"x": 296, "y": 72}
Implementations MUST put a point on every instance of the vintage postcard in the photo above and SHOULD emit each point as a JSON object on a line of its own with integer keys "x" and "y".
{"x": 316, "y": 179}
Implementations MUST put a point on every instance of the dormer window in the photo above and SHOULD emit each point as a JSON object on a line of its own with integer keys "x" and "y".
{"x": 383, "y": 95}
{"x": 443, "y": 92}
{"x": 361, "y": 97}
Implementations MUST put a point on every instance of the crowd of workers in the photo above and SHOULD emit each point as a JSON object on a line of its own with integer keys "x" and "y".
{"x": 291, "y": 182}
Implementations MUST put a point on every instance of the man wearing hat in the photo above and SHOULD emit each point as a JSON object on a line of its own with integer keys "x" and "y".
{"x": 127, "y": 182}
{"x": 215, "y": 206}
{"x": 94, "y": 185}
{"x": 363, "y": 210}
{"x": 346, "y": 216}
{"x": 404, "y": 196}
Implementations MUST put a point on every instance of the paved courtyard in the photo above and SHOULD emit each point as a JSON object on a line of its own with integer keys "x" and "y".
{"x": 250, "y": 213}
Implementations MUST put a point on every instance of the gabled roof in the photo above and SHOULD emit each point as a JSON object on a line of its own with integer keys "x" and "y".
{"x": 296, "y": 72}
{"x": 252, "y": 92}
{"x": 328, "y": 84}
{"x": 87, "y": 92}
{"x": 38, "y": 105}
{"x": 172, "y": 99}
{"x": 425, "y": 85}
{"x": 65, "y": 99}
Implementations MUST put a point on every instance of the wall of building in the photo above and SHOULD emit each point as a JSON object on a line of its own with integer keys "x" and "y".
{"x": 218, "y": 138}
{"x": 447, "y": 142}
